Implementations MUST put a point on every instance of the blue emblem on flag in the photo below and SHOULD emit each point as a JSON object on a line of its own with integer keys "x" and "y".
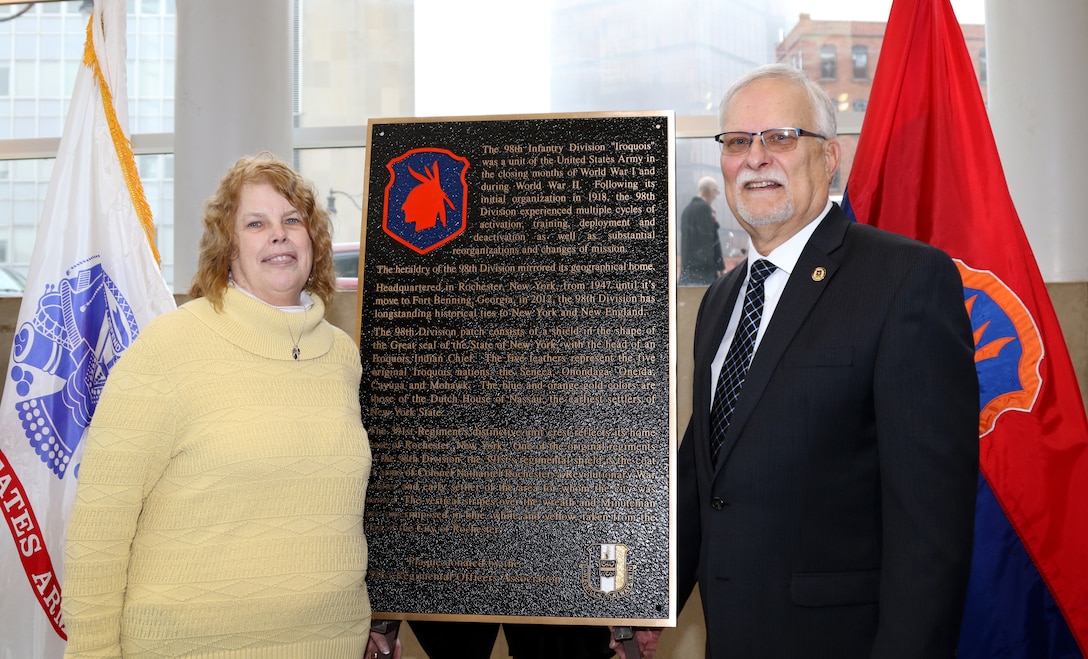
{"x": 1008, "y": 346}
{"x": 62, "y": 356}
{"x": 426, "y": 199}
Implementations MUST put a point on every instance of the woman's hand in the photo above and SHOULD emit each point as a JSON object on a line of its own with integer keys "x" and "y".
{"x": 378, "y": 647}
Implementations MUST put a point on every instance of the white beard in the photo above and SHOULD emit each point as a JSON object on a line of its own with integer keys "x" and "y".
{"x": 775, "y": 216}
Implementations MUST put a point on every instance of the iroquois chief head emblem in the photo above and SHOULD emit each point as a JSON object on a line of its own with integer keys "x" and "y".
{"x": 426, "y": 198}
{"x": 1008, "y": 347}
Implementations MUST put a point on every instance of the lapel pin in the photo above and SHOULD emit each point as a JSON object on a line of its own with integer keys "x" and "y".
{"x": 819, "y": 273}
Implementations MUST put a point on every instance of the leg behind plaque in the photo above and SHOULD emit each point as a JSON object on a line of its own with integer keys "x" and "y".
{"x": 455, "y": 640}
{"x": 530, "y": 641}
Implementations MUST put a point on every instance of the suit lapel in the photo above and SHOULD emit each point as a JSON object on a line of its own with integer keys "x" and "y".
{"x": 813, "y": 273}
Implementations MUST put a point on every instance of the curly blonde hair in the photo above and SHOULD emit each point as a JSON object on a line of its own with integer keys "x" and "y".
{"x": 218, "y": 244}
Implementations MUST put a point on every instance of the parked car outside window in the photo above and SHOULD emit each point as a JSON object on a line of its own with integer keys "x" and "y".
{"x": 346, "y": 258}
{"x": 12, "y": 282}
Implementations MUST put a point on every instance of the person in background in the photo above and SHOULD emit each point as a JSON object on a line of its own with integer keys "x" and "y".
{"x": 827, "y": 483}
{"x": 700, "y": 245}
{"x": 219, "y": 510}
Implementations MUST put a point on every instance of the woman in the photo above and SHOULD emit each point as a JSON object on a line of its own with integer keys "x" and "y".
{"x": 219, "y": 510}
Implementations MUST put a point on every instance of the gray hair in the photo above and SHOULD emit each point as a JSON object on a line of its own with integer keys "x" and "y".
{"x": 706, "y": 184}
{"x": 822, "y": 106}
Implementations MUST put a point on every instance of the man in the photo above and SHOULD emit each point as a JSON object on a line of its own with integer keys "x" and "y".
{"x": 836, "y": 519}
{"x": 700, "y": 246}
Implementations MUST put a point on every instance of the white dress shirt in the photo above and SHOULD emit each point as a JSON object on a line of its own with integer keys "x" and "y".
{"x": 785, "y": 257}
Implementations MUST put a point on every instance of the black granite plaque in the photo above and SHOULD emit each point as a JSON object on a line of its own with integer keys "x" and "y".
{"x": 516, "y": 340}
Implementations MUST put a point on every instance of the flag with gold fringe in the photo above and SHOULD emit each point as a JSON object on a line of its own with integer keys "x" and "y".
{"x": 94, "y": 281}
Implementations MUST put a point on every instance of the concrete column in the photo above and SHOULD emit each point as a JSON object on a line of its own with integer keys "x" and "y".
{"x": 233, "y": 97}
{"x": 1037, "y": 96}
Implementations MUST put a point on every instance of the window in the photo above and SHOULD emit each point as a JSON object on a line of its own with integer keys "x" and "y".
{"x": 829, "y": 66}
{"x": 860, "y": 55}
{"x": 41, "y": 47}
{"x": 394, "y": 58}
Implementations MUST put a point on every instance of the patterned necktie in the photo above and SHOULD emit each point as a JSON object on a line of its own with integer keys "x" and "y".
{"x": 739, "y": 356}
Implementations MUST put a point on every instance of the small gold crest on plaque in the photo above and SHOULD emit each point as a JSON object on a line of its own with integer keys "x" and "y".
{"x": 607, "y": 575}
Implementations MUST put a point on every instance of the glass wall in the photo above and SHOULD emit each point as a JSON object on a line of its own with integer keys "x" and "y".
{"x": 493, "y": 57}
{"x": 41, "y": 48}
{"x": 358, "y": 59}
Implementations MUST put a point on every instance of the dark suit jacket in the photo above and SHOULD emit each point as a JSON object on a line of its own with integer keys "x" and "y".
{"x": 839, "y": 520}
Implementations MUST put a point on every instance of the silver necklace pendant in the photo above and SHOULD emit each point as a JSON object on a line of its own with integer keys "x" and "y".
{"x": 295, "y": 352}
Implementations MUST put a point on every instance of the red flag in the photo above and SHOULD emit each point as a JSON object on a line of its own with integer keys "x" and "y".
{"x": 927, "y": 167}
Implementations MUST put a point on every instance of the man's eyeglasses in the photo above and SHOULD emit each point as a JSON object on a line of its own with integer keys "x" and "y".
{"x": 777, "y": 140}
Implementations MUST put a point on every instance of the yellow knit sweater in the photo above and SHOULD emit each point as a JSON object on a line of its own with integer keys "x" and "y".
{"x": 219, "y": 511}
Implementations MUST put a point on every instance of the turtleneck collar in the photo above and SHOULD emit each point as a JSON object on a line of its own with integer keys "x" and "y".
{"x": 307, "y": 301}
{"x": 260, "y": 328}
